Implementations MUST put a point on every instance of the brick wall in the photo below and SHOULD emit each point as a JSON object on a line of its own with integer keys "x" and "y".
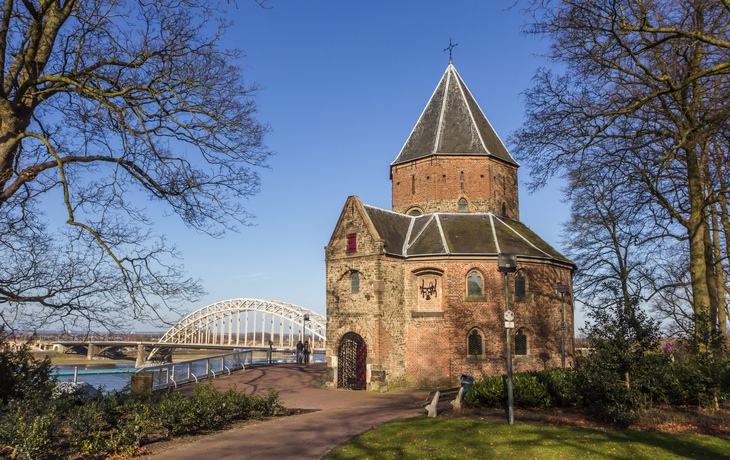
{"x": 425, "y": 340}
{"x": 435, "y": 185}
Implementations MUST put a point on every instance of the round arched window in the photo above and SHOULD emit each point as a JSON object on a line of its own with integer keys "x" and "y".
{"x": 463, "y": 205}
{"x": 474, "y": 343}
{"x": 474, "y": 284}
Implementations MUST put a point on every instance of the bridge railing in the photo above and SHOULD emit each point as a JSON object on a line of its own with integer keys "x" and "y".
{"x": 174, "y": 374}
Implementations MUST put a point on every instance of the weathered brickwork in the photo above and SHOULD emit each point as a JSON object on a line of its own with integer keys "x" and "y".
{"x": 419, "y": 340}
{"x": 435, "y": 185}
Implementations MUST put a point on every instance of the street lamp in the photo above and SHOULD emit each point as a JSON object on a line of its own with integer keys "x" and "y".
{"x": 305, "y": 319}
{"x": 507, "y": 263}
{"x": 562, "y": 289}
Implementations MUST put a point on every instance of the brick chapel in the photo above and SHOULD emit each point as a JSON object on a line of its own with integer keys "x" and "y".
{"x": 413, "y": 293}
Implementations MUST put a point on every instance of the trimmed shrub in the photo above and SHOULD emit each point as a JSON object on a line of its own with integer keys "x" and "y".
{"x": 489, "y": 392}
{"x": 560, "y": 385}
{"x": 529, "y": 391}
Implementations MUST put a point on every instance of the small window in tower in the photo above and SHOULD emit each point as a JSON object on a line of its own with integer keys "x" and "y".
{"x": 520, "y": 343}
{"x": 504, "y": 210}
{"x": 463, "y": 205}
{"x": 352, "y": 243}
{"x": 474, "y": 284}
{"x": 355, "y": 283}
{"x": 520, "y": 285}
{"x": 475, "y": 343}
{"x": 413, "y": 185}
{"x": 482, "y": 176}
{"x": 462, "y": 181}
{"x": 415, "y": 212}
{"x": 428, "y": 177}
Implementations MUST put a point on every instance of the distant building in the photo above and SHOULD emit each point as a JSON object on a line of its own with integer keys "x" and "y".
{"x": 414, "y": 294}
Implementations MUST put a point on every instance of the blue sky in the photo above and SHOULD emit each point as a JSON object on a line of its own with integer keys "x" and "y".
{"x": 344, "y": 83}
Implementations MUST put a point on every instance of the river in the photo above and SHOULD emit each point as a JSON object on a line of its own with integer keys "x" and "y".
{"x": 117, "y": 381}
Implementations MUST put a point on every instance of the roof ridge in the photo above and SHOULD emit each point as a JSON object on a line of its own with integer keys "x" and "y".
{"x": 494, "y": 233}
{"x": 389, "y": 210}
{"x": 443, "y": 109}
{"x": 419, "y": 233}
{"x": 441, "y": 232}
{"x": 521, "y": 236}
{"x": 459, "y": 82}
{"x": 420, "y": 116}
{"x": 404, "y": 251}
{"x": 487, "y": 120}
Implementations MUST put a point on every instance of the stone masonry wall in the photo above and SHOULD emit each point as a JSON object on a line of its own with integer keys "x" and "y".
{"x": 376, "y": 315}
{"x": 434, "y": 185}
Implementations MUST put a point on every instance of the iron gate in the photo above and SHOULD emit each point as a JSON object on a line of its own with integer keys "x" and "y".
{"x": 351, "y": 360}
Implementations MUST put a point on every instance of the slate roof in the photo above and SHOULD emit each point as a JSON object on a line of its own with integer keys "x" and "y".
{"x": 458, "y": 234}
{"x": 453, "y": 124}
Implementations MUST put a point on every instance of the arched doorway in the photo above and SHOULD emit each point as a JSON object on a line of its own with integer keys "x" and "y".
{"x": 351, "y": 360}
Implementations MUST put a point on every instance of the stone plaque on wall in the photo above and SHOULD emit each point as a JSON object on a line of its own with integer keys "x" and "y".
{"x": 428, "y": 292}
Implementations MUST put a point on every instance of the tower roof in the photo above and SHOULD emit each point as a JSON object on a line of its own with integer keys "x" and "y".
{"x": 453, "y": 124}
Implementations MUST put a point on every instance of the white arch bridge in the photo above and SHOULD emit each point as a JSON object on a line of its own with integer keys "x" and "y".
{"x": 243, "y": 323}
{"x": 235, "y": 323}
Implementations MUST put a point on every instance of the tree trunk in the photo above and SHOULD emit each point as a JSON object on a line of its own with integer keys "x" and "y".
{"x": 711, "y": 275}
{"x": 696, "y": 233}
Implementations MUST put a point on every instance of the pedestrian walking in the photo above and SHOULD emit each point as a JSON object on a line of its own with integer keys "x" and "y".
{"x": 300, "y": 347}
{"x": 307, "y": 351}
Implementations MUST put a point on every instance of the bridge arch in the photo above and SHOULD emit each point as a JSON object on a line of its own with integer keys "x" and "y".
{"x": 235, "y": 321}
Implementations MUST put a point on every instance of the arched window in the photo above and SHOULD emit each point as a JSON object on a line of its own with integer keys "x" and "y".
{"x": 504, "y": 210}
{"x": 355, "y": 283}
{"x": 474, "y": 343}
{"x": 474, "y": 284}
{"x": 415, "y": 212}
{"x": 520, "y": 343}
{"x": 520, "y": 285}
{"x": 463, "y": 206}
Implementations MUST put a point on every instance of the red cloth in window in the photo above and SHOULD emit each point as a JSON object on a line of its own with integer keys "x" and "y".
{"x": 352, "y": 242}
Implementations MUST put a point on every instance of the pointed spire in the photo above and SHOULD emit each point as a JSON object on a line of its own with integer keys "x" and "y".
{"x": 453, "y": 124}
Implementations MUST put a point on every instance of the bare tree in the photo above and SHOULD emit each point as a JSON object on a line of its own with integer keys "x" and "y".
{"x": 607, "y": 237}
{"x": 644, "y": 93}
{"x": 104, "y": 103}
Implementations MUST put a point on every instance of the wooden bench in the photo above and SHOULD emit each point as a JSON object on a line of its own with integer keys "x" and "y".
{"x": 432, "y": 401}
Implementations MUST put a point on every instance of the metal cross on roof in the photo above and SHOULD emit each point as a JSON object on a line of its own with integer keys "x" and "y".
{"x": 450, "y": 47}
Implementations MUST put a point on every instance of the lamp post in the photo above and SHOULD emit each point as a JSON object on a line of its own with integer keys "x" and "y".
{"x": 562, "y": 289}
{"x": 507, "y": 263}
{"x": 305, "y": 319}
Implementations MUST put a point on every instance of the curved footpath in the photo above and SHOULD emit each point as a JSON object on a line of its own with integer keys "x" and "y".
{"x": 340, "y": 415}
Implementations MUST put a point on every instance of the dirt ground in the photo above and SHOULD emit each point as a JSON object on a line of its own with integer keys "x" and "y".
{"x": 666, "y": 419}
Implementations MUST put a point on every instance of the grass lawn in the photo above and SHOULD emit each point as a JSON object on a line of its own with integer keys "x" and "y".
{"x": 424, "y": 438}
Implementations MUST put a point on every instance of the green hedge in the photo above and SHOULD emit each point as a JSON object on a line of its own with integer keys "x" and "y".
{"x": 117, "y": 423}
{"x": 698, "y": 382}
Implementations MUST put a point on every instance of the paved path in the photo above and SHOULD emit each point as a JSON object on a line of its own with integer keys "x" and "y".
{"x": 341, "y": 415}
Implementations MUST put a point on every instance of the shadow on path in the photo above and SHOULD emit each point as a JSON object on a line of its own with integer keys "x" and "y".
{"x": 341, "y": 415}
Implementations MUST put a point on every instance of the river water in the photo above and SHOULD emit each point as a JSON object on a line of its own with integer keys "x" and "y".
{"x": 117, "y": 381}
